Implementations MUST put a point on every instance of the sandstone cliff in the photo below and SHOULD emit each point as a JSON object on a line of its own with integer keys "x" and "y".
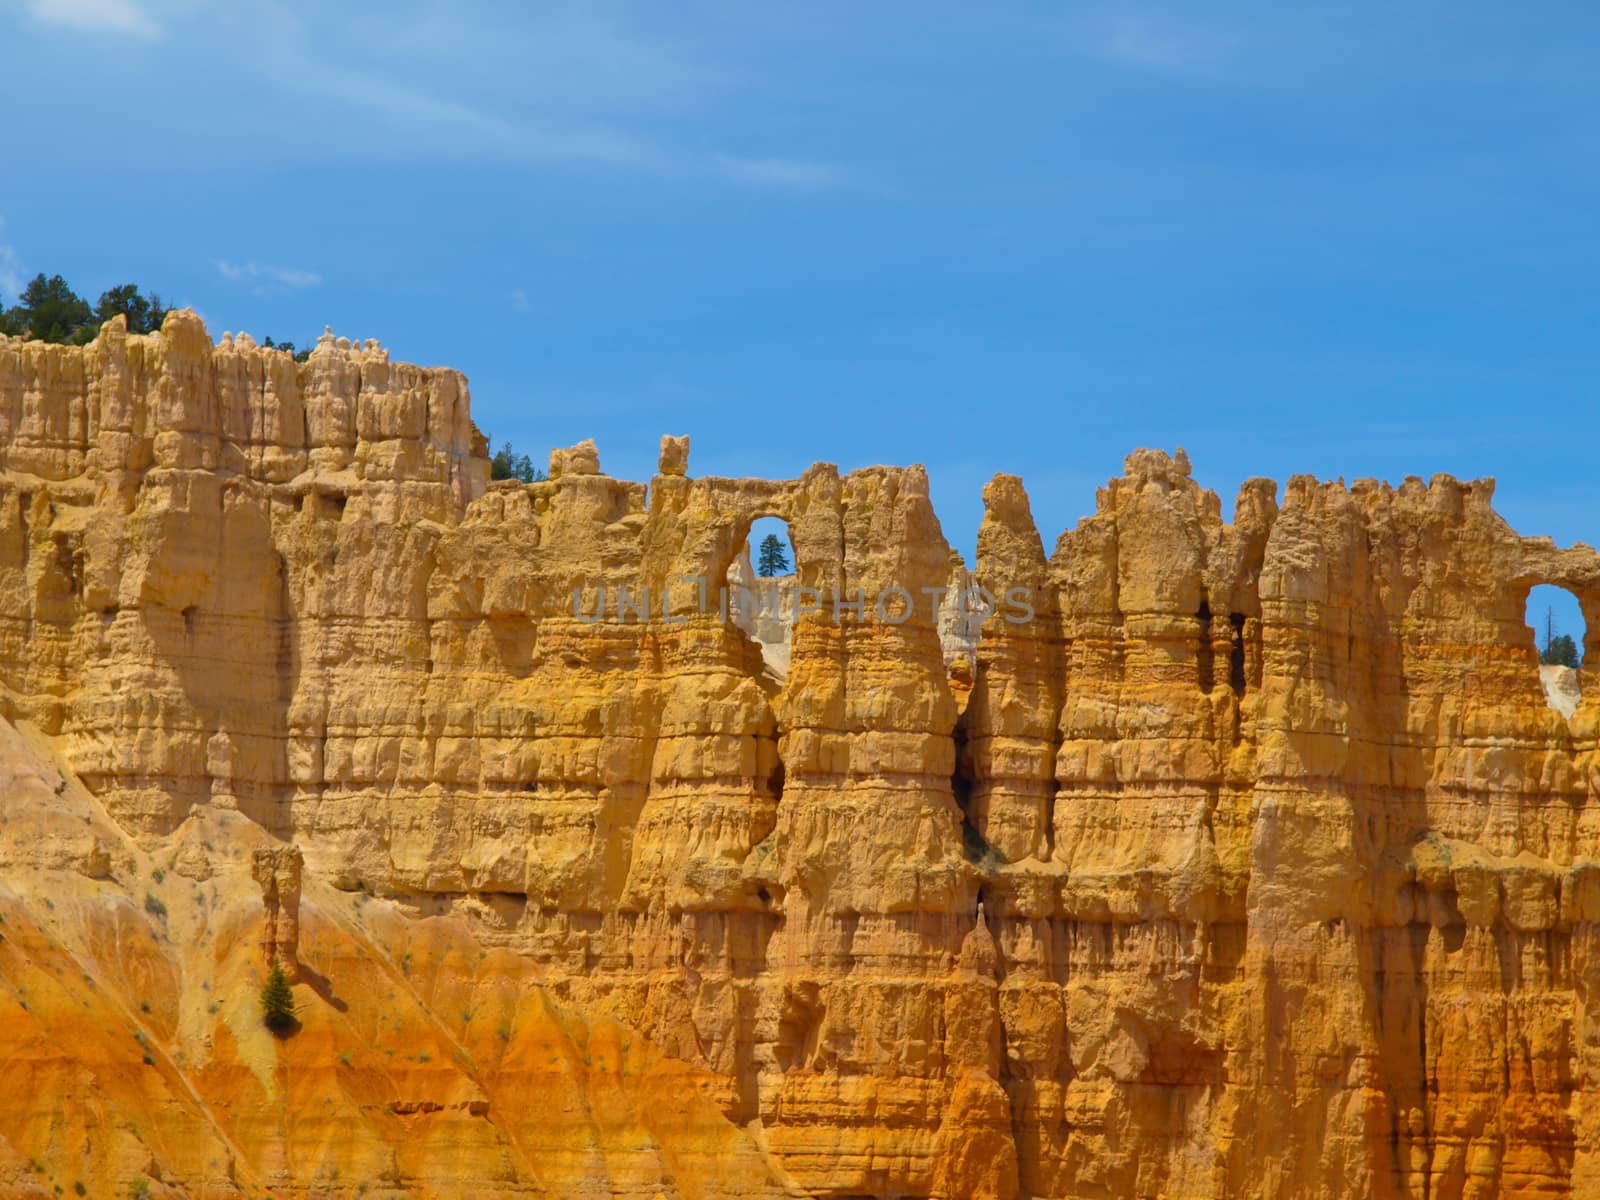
{"x": 1255, "y": 864}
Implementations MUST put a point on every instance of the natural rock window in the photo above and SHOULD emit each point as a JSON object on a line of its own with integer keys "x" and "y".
{"x": 761, "y": 591}
{"x": 1558, "y": 634}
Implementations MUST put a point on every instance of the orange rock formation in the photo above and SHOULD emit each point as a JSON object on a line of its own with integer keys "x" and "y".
{"x": 1254, "y": 864}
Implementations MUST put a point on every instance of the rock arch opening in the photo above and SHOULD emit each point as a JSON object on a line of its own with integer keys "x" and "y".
{"x": 761, "y": 587}
{"x": 1558, "y": 635}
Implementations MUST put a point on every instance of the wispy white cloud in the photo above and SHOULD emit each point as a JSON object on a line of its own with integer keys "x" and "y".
{"x": 118, "y": 17}
{"x": 473, "y": 129}
{"x": 563, "y": 83}
{"x": 560, "y": 56}
{"x": 791, "y": 173}
{"x": 452, "y": 86}
{"x": 267, "y": 280}
{"x": 10, "y": 266}
{"x": 1164, "y": 45}
{"x": 566, "y": 83}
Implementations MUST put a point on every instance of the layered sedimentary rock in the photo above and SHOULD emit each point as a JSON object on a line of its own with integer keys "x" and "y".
{"x": 1244, "y": 859}
{"x": 278, "y": 871}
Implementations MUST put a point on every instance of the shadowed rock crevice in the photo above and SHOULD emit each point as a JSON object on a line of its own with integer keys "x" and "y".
{"x": 1238, "y": 677}
{"x": 1205, "y": 654}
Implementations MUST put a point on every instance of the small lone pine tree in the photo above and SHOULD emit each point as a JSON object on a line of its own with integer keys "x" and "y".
{"x": 773, "y": 559}
{"x": 277, "y": 1000}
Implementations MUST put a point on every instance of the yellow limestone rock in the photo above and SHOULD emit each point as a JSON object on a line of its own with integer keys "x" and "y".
{"x": 975, "y": 1152}
{"x": 1251, "y": 863}
{"x": 674, "y": 455}
{"x": 582, "y": 459}
{"x": 277, "y": 870}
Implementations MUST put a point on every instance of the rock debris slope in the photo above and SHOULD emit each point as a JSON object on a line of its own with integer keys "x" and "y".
{"x": 1255, "y": 864}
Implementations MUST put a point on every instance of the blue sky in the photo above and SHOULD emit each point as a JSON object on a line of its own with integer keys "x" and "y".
{"x": 1357, "y": 240}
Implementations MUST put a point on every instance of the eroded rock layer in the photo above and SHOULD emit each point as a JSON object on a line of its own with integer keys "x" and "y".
{"x": 1248, "y": 860}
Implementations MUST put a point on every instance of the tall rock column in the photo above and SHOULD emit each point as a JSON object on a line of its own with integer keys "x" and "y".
{"x": 1008, "y": 752}
{"x": 975, "y": 1156}
{"x": 278, "y": 873}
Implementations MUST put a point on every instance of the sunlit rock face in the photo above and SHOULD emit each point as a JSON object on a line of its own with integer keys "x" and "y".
{"x": 1563, "y": 690}
{"x": 1236, "y": 859}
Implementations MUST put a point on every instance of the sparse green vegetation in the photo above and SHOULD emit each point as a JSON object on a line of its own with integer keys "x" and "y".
{"x": 49, "y": 310}
{"x": 277, "y": 1001}
{"x": 774, "y": 560}
{"x": 508, "y": 464}
{"x": 1559, "y": 649}
{"x": 154, "y": 906}
{"x": 144, "y": 314}
{"x": 288, "y": 348}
